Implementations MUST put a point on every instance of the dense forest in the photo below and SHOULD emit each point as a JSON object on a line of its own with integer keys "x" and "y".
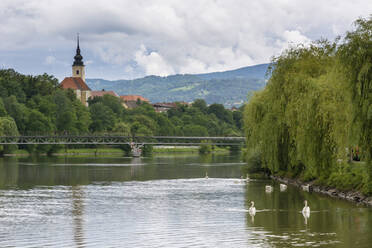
{"x": 34, "y": 105}
{"x": 313, "y": 120}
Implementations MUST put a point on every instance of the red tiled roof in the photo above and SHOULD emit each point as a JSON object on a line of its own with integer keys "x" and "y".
{"x": 133, "y": 98}
{"x": 102, "y": 93}
{"x": 165, "y": 104}
{"x": 74, "y": 83}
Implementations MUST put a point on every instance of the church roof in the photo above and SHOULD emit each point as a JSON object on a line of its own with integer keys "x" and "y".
{"x": 133, "y": 98}
{"x": 74, "y": 83}
{"x": 102, "y": 93}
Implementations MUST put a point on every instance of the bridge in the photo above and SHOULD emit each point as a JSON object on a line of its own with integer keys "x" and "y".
{"x": 135, "y": 142}
{"x": 118, "y": 140}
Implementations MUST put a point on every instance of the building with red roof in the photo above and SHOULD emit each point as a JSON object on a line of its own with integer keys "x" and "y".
{"x": 102, "y": 93}
{"x": 134, "y": 98}
{"x": 131, "y": 101}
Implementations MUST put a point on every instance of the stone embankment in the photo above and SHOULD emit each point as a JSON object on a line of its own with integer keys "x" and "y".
{"x": 353, "y": 196}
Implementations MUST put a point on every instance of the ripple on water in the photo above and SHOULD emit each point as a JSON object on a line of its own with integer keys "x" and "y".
{"x": 160, "y": 213}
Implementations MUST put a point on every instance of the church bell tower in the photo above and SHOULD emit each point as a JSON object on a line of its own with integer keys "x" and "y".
{"x": 78, "y": 69}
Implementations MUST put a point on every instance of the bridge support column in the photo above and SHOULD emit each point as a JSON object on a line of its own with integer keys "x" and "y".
{"x": 136, "y": 149}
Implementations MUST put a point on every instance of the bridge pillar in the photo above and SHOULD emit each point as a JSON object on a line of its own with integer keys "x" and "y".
{"x": 136, "y": 149}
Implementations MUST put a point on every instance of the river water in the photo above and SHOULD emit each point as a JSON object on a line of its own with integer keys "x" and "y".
{"x": 164, "y": 201}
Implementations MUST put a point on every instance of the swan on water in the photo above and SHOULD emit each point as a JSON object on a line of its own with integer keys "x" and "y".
{"x": 206, "y": 175}
{"x": 247, "y": 179}
{"x": 306, "y": 210}
{"x": 283, "y": 187}
{"x": 252, "y": 209}
{"x": 268, "y": 188}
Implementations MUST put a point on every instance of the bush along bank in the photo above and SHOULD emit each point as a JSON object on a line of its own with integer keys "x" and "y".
{"x": 313, "y": 120}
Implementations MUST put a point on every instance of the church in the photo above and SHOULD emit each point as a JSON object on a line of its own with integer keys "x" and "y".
{"x": 77, "y": 81}
{"x": 83, "y": 92}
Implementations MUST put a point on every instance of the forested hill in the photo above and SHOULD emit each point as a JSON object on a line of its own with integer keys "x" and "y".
{"x": 229, "y": 87}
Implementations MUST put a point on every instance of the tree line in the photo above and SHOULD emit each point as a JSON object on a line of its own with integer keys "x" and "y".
{"x": 36, "y": 105}
{"x": 314, "y": 117}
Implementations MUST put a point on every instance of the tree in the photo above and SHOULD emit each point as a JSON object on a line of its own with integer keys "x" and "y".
{"x": 122, "y": 129}
{"x": 3, "y": 112}
{"x": 37, "y": 123}
{"x": 220, "y": 112}
{"x": 83, "y": 118}
{"x": 103, "y": 118}
{"x": 201, "y": 105}
{"x": 18, "y": 111}
{"x": 114, "y": 103}
{"x": 195, "y": 130}
{"x": 166, "y": 128}
{"x": 8, "y": 127}
{"x": 356, "y": 57}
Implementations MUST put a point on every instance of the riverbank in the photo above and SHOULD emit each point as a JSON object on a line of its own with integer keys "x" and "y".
{"x": 111, "y": 151}
{"x": 353, "y": 196}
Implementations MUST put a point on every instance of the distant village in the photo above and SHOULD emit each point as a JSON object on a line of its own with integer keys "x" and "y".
{"x": 84, "y": 93}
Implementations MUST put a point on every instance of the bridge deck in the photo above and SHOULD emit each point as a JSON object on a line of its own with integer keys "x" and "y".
{"x": 116, "y": 139}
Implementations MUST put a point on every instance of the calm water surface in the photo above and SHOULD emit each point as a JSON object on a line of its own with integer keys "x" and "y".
{"x": 164, "y": 201}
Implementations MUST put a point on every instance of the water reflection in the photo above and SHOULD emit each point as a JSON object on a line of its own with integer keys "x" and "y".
{"x": 77, "y": 214}
{"x": 164, "y": 201}
{"x": 306, "y": 216}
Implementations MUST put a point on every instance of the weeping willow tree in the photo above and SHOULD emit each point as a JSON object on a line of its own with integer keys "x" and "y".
{"x": 317, "y": 103}
{"x": 356, "y": 58}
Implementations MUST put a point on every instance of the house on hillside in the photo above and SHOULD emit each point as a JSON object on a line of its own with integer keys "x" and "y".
{"x": 131, "y": 101}
{"x": 161, "y": 107}
{"x": 102, "y": 93}
{"x": 77, "y": 81}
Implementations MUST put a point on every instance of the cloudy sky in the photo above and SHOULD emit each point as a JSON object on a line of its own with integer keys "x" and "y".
{"x": 123, "y": 39}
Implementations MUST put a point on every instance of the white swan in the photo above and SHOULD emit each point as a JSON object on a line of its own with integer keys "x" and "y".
{"x": 306, "y": 210}
{"x": 252, "y": 209}
{"x": 206, "y": 175}
{"x": 268, "y": 188}
{"x": 247, "y": 179}
{"x": 283, "y": 187}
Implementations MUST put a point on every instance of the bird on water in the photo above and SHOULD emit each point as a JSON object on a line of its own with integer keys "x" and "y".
{"x": 268, "y": 188}
{"x": 306, "y": 210}
{"x": 252, "y": 209}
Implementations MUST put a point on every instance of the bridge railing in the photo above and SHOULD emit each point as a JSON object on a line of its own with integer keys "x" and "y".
{"x": 117, "y": 139}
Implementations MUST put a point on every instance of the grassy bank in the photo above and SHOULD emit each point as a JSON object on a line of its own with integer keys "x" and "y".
{"x": 110, "y": 151}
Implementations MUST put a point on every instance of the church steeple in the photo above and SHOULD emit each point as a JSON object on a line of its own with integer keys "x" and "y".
{"x": 78, "y": 69}
{"x": 78, "y": 58}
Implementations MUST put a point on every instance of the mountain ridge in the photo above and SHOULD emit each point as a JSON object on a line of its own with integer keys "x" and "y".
{"x": 227, "y": 87}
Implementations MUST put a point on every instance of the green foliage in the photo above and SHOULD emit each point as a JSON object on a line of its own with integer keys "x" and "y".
{"x": 122, "y": 129}
{"x": 103, "y": 118}
{"x": 201, "y": 105}
{"x": 315, "y": 105}
{"x": 195, "y": 130}
{"x": 8, "y": 127}
{"x": 39, "y": 106}
{"x": 205, "y": 147}
{"x": 3, "y": 112}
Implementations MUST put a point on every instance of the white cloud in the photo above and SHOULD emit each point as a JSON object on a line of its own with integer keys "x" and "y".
{"x": 178, "y": 36}
{"x": 152, "y": 62}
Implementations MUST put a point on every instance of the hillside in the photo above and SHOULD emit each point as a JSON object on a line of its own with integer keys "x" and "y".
{"x": 229, "y": 87}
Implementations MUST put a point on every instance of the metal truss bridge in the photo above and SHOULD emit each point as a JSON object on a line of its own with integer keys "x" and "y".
{"x": 119, "y": 140}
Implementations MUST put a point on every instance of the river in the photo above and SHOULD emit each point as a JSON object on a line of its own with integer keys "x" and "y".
{"x": 164, "y": 201}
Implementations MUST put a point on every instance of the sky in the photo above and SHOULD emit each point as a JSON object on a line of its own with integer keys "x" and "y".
{"x": 126, "y": 39}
